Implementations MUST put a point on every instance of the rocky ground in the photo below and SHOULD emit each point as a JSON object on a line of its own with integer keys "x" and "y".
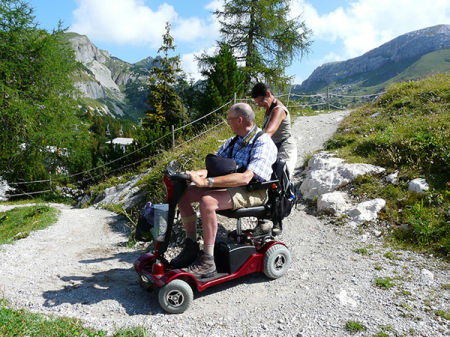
{"x": 80, "y": 267}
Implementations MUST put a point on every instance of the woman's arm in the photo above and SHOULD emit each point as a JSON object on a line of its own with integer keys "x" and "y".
{"x": 278, "y": 115}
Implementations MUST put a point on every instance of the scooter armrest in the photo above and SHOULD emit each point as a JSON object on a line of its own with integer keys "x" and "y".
{"x": 179, "y": 177}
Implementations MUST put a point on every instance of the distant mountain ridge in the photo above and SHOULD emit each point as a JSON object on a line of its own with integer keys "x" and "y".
{"x": 384, "y": 62}
{"x": 109, "y": 85}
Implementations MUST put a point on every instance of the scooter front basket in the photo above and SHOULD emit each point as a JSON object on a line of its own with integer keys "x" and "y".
{"x": 160, "y": 222}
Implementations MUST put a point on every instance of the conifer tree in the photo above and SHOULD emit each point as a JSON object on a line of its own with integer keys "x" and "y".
{"x": 165, "y": 106}
{"x": 223, "y": 78}
{"x": 37, "y": 105}
{"x": 263, "y": 37}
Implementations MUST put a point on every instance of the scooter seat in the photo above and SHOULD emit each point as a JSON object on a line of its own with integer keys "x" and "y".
{"x": 256, "y": 211}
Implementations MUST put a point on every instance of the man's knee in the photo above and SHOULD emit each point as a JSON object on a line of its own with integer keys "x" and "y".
{"x": 208, "y": 202}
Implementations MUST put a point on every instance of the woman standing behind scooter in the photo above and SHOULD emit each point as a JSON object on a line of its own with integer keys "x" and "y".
{"x": 277, "y": 124}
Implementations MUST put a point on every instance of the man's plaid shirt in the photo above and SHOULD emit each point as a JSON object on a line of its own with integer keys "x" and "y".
{"x": 258, "y": 158}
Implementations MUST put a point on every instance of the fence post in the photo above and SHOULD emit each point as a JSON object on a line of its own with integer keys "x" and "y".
{"x": 50, "y": 173}
{"x": 289, "y": 96}
{"x": 173, "y": 135}
{"x": 328, "y": 100}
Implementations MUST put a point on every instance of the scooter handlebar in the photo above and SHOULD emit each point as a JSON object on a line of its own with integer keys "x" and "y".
{"x": 179, "y": 177}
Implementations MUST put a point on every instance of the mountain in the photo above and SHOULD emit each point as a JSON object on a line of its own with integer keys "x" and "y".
{"x": 407, "y": 57}
{"x": 109, "y": 85}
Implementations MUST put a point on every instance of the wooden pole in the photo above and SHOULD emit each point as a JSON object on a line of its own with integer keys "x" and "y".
{"x": 289, "y": 96}
{"x": 173, "y": 135}
{"x": 328, "y": 100}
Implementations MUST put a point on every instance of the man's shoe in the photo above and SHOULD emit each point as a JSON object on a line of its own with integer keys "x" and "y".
{"x": 203, "y": 267}
{"x": 262, "y": 228}
{"x": 187, "y": 256}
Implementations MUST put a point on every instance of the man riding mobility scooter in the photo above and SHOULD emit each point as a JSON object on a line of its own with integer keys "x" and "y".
{"x": 238, "y": 254}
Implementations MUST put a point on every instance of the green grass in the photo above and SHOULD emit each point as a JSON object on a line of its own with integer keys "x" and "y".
{"x": 443, "y": 314}
{"x": 19, "y": 222}
{"x": 407, "y": 130}
{"x": 22, "y": 323}
{"x": 354, "y": 326}
{"x": 384, "y": 282}
{"x": 362, "y": 251}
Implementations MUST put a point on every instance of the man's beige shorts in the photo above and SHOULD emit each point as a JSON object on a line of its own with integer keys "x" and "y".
{"x": 243, "y": 198}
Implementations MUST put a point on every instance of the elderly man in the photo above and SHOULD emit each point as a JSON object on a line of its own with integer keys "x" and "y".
{"x": 224, "y": 192}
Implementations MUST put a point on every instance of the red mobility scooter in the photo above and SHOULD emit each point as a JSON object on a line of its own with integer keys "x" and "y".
{"x": 238, "y": 254}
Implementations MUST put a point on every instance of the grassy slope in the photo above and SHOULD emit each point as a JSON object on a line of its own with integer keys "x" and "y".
{"x": 407, "y": 130}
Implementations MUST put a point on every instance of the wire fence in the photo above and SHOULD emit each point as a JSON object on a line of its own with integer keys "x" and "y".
{"x": 326, "y": 101}
{"x": 156, "y": 141}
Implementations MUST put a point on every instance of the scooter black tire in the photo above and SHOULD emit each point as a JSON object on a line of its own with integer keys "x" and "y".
{"x": 276, "y": 261}
{"x": 176, "y": 297}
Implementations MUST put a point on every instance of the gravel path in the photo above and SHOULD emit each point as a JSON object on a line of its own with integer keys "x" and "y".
{"x": 81, "y": 268}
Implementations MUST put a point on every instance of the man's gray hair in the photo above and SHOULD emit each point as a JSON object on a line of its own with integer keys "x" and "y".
{"x": 245, "y": 111}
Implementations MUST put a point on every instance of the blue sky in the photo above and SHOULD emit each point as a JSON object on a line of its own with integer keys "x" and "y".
{"x": 132, "y": 29}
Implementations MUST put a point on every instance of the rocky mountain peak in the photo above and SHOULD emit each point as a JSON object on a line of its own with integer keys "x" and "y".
{"x": 406, "y": 46}
{"x": 106, "y": 78}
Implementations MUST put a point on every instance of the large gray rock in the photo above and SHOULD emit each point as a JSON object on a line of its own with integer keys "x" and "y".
{"x": 366, "y": 211}
{"x": 118, "y": 194}
{"x": 325, "y": 174}
{"x": 334, "y": 203}
{"x": 418, "y": 185}
{"x": 4, "y": 188}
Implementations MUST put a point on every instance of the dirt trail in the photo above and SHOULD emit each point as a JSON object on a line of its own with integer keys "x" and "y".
{"x": 81, "y": 268}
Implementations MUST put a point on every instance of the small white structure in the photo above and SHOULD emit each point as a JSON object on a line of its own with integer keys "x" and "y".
{"x": 122, "y": 142}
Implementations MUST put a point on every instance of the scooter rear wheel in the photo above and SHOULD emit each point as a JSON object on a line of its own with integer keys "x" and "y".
{"x": 176, "y": 297}
{"x": 276, "y": 261}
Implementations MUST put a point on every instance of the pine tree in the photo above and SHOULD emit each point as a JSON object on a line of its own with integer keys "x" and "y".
{"x": 165, "y": 106}
{"x": 37, "y": 105}
{"x": 263, "y": 37}
{"x": 223, "y": 78}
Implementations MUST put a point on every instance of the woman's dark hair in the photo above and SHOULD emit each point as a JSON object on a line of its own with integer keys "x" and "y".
{"x": 260, "y": 89}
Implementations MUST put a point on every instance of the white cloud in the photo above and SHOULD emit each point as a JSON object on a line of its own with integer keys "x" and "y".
{"x": 215, "y": 5}
{"x": 190, "y": 65}
{"x": 366, "y": 24}
{"x": 195, "y": 30}
{"x": 132, "y": 22}
{"x": 122, "y": 21}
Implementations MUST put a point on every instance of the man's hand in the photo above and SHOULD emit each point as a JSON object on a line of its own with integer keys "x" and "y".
{"x": 198, "y": 178}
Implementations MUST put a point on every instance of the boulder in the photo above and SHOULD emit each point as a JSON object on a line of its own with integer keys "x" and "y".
{"x": 126, "y": 194}
{"x": 4, "y": 188}
{"x": 366, "y": 211}
{"x": 325, "y": 174}
{"x": 418, "y": 185}
{"x": 392, "y": 178}
{"x": 319, "y": 182}
{"x": 426, "y": 277}
{"x": 332, "y": 203}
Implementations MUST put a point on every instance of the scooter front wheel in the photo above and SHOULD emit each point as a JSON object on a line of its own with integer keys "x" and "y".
{"x": 176, "y": 297}
{"x": 277, "y": 261}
